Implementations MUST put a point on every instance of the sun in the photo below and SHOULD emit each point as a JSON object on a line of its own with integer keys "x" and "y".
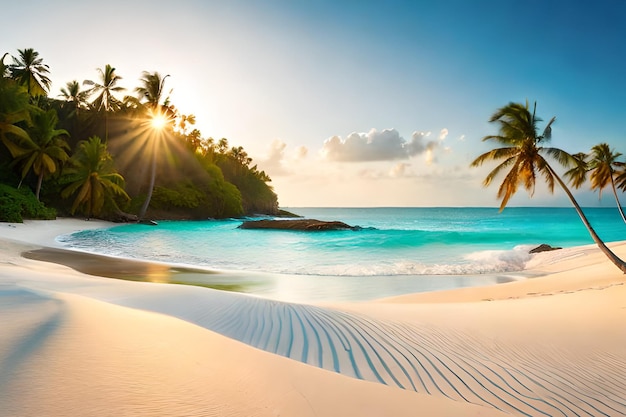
{"x": 158, "y": 121}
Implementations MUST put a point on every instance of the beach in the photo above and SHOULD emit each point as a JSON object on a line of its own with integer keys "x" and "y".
{"x": 75, "y": 342}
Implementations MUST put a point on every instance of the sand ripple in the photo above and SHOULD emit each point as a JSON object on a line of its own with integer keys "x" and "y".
{"x": 522, "y": 380}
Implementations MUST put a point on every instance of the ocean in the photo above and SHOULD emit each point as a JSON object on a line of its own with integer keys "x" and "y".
{"x": 397, "y": 251}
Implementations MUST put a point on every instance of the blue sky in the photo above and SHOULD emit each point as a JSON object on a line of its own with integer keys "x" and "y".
{"x": 355, "y": 103}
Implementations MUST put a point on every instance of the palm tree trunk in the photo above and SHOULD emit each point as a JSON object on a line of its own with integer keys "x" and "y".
{"x": 106, "y": 127}
{"x": 619, "y": 206}
{"x": 39, "y": 181}
{"x": 608, "y": 252}
{"x": 146, "y": 203}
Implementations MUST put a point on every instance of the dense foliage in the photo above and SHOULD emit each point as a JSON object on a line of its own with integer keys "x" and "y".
{"x": 97, "y": 152}
{"x": 15, "y": 205}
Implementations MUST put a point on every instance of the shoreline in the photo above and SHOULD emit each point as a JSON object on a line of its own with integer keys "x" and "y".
{"x": 541, "y": 269}
{"x": 42, "y": 246}
{"x": 277, "y": 286}
{"x": 82, "y": 343}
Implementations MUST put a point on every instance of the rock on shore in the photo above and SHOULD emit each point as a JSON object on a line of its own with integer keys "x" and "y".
{"x": 297, "y": 224}
{"x": 544, "y": 247}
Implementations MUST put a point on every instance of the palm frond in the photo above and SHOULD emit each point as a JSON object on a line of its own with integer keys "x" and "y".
{"x": 496, "y": 171}
{"x": 70, "y": 189}
{"x": 509, "y": 186}
{"x": 563, "y": 158}
{"x": 577, "y": 175}
{"x": 544, "y": 168}
{"x": 494, "y": 154}
{"x": 526, "y": 174}
{"x": 547, "y": 131}
{"x": 620, "y": 180}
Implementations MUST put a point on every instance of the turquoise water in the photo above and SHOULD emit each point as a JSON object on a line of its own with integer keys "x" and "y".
{"x": 443, "y": 246}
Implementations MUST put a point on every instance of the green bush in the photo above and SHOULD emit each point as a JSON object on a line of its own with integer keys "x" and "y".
{"x": 183, "y": 195}
{"x": 16, "y": 205}
{"x": 232, "y": 201}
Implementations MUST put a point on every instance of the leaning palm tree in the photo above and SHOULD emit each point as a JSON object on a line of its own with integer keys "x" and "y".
{"x": 30, "y": 71}
{"x": 523, "y": 154}
{"x": 94, "y": 179}
{"x": 45, "y": 150}
{"x": 105, "y": 100}
{"x": 603, "y": 166}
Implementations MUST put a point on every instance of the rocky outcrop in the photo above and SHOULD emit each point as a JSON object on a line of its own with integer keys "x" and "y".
{"x": 543, "y": 248}
{"x": 297, "y": 224}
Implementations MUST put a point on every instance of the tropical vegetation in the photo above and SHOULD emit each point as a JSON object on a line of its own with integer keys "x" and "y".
{"x": 92, "y": 179}
{"x": 604, "y": 165}
{"x": 523, "y": 156}
{"x": 95, "y": 152}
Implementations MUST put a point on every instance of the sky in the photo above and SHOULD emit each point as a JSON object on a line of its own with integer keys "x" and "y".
{"x": 355, "y": 103}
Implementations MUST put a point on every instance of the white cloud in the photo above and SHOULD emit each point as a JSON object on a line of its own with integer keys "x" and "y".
{"x": 443, "y": 134}
{"x": 419, "y": 143}
{"x": 400, "y": 183}
{"x": 277, "y": 150}
{"x": 277, "y": 162}
{"x": 386, "y": 145}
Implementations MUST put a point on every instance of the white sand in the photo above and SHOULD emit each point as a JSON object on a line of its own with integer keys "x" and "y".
{"x": 72, "y": 344}
{"x": 44, "y": 232}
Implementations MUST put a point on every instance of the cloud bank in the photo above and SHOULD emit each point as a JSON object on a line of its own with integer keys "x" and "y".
{"x": 386, "y": 145}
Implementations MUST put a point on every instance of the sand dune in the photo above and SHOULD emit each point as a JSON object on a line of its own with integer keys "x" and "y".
{"x": 554, "y": 370}
{"x": 553, "y": 346}
{"x": 96, "y": 359}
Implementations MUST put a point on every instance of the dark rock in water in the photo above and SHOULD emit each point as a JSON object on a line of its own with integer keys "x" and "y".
{"x": 297, "y": 224}
{"x": 543, "y": 248}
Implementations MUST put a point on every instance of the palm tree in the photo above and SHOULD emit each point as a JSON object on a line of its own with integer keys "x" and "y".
{"x": 151, "y": 92}
{"x": 30, "y": 71}
{"x": 75, "y": 103}
{"x": 193, "y": 140}
{"x": 14, "y": 108}
{"x": 105, "y": 101}
{"x": 45, "y": 150}
{"x": 603, "y": 166}
{"x": 72, "y": 94}
{"x": 222, "y": 146}
{"x": 94, "y": 179}
{"x": 151, "y": 89}
{"x": 523, "y": 154}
